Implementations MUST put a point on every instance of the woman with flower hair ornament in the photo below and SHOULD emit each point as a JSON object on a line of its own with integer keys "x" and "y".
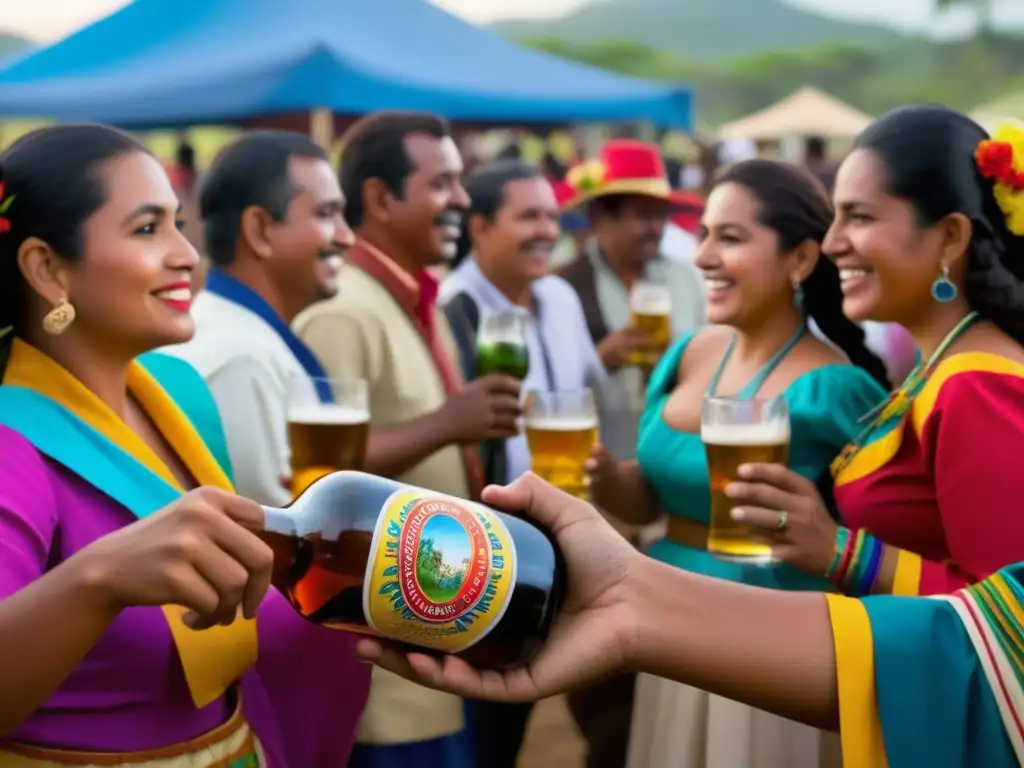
{"x": 923, "y": 236}
{"x": 927, "y": 234}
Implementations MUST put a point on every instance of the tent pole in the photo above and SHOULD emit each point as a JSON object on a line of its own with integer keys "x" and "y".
{"x": 321, "y": 127}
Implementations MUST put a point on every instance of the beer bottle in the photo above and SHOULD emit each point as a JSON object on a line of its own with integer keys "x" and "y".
{"x": 372, "y": 556}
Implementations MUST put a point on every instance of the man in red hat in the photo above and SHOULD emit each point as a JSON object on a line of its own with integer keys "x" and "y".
{"x": 628, "y": 199}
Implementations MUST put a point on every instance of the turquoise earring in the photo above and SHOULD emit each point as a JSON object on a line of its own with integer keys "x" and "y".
{"x": 943, "y": 289}
{"x": 798, "y": 295}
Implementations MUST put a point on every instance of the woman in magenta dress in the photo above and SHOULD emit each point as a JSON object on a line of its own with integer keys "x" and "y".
{"x": 928, "y": 493}
{"x": 109, "y": 559}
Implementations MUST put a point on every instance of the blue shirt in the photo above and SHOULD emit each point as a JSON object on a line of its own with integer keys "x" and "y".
{"x": 557, "y": 318}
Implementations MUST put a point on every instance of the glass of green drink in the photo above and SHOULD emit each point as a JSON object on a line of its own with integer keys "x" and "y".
{"x": 501, "y": 345}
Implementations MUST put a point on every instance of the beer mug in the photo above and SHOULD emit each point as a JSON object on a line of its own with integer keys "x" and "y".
{"x": 734, "y": 432}
{"x": 328, "y": 427}
{"x": 501, "y": 345}
{"x": 561, "y": 431}
{"x": 650, "y": 309}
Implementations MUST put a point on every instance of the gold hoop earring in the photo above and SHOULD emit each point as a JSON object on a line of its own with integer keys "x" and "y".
{"x": 59, "y": 319}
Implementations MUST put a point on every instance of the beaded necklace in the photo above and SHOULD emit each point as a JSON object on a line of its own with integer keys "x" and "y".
{"x": 898, "y": 403}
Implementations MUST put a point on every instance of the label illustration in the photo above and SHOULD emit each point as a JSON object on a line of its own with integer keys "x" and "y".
{"x": 440, "y": 572}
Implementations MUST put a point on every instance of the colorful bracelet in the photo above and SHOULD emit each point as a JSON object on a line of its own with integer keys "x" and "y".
{"x": 839, "y": 547}
{"x": 857, "y": 562}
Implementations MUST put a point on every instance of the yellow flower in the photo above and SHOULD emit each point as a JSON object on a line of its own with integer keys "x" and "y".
{"x": 586, "y": 177}
{"x": 1010, "y": 197}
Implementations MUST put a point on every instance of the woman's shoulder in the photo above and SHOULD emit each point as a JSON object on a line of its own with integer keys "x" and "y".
{"x": 25, "y": 476}
{"x": 685, "y": 355}
{"x": 694, "y": 348}
{"x": 838, "y": 383}
{"x": 983, "y": 360}
{"x": 974, "y": 379}
{"x": 830, "y": 401}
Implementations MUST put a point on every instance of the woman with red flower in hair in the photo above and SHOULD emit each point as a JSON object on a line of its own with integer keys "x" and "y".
{"x": 929, "y": 234}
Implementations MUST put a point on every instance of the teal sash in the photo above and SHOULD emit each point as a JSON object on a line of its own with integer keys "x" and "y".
{"x": 68, "y": 440}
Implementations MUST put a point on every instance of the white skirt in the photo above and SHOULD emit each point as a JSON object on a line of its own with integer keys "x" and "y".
{"x": 676, "y": 726}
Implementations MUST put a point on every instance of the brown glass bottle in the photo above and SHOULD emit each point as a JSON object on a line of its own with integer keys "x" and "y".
{"x": 436, "y": 572}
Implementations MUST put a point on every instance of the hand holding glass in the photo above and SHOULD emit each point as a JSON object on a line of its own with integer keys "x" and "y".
{"x": 650, "y": 310}
{"x": 740, "y": 431}
{"x": 561, "y": 430}
{"x": 326, "y": 434}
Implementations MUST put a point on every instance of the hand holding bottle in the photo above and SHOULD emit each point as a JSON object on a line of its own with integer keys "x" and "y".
{"x": 485, "y": 409}
{"x": 593, "y": 635}
{"x": 198, "y": 552}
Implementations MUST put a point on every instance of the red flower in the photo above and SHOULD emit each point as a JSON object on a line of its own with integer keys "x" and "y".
{"x": 995, "y": 161}
{"x": 5, "y": 225}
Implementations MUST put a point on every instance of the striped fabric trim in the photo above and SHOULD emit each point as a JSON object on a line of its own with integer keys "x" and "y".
{"x": 994, "y": 626}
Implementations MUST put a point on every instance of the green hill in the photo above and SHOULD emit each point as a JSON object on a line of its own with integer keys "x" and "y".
{"x": 12, "y": 44}
{"x": 703, "y": 29}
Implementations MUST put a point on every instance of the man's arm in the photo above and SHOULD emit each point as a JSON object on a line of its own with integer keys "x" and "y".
{"x": 348, "y": 348}
{"x": 397, "y": 449}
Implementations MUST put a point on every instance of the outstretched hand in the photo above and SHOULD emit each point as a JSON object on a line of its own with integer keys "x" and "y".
{"x": 593, "y": 635}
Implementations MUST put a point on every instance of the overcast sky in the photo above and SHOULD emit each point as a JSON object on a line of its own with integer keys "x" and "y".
{"x": 52, "y": 19}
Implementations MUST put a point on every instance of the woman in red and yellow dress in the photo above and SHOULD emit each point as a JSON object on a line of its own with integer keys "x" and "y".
{"x": 927, "y": 234}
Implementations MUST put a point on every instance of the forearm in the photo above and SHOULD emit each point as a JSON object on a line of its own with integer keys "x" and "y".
{"x": 395, "y": 450}
{"x": 907, "y": 573}
{"x": 46, "y": 629}
{"x": 770, "y": 649}
{"x": 627, "y": 496}
{"x": 868, "y": 566}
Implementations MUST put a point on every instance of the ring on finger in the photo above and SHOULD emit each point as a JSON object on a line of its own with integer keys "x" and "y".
{"x": 780, "y": 527}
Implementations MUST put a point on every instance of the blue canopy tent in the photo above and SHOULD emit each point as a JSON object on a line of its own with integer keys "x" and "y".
{"x": 176, "y": 62}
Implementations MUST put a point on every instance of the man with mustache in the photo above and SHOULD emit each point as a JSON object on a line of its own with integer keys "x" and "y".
{"x": 401, "y": 173}
{"x": 275, "y": 231}
{"x": 510, "y": 232}
{"x": 274, "y": 226}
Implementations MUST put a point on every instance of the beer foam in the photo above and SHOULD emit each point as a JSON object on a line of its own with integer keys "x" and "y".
{"x": 745, "y": 434}
{"x": 562, "y": 423}
{"x": 329, "y": 414}
{"x": 651, "y": 306}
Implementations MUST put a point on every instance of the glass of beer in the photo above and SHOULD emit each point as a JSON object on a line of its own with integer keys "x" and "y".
{"x": 734, "y": 432}
{"x": 501, "y": 345}
{"x": 650, "y": 309}
{"x": 328, "y": 427}
{"x": 561, "y": 431}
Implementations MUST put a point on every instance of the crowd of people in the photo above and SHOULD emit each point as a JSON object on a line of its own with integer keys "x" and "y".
{"x": 143, "y": 423}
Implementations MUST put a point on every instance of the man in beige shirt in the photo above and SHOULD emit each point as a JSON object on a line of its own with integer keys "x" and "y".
{"x": 401, "y": 175}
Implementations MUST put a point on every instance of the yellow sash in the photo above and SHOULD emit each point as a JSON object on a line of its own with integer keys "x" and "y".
{"x": 215, "y": 658}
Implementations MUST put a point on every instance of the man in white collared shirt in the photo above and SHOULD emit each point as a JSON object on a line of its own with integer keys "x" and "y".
{"x": 513, "y": 226}
{"x": 274, "y": 227}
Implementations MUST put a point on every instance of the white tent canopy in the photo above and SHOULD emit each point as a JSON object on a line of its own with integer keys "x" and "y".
{"x": 807, "y": 112}
{"x": 1002, "y": 110}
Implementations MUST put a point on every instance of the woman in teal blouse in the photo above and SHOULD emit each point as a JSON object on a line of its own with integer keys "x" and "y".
{"x": 760, "y": 253}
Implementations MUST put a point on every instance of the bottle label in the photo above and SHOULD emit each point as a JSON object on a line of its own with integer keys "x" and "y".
{"x": 440, "y": 572}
